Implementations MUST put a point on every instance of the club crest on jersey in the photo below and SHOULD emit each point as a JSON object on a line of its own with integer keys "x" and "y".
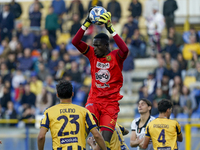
{"x": 103, "y": 75}
{"x": 102, "y": 65}
{"x": 108, "y": 58}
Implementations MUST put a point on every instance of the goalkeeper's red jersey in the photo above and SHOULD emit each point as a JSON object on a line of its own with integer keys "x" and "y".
{"x": 106, "y": 72}
{"x": 107, "y": 76}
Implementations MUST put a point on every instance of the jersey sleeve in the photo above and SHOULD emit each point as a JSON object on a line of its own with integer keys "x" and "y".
{"x": 122, "y": 52}
{"x": 90, "y": 123}
{"x": 45, "y": 121}
{"x": 147, "y": 133}
{"x": 178, "y": 128}
{"x": 121, "y": 128}
{"x": 133, "y": 125}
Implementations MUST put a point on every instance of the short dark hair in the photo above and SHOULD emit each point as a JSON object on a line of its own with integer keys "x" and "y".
{"x": 64, "y": 89}
{"x": 148, "y": 102}
{"x": 163, "y": 105}
{"x": 102, "y": 36}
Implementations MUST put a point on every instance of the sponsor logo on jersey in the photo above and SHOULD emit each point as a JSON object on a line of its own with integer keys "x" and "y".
{"x": 68, "y": 140}
{"x": 102, "y": 86}
{"x": 102, "y": 65}
{"x": 103, "y": 75}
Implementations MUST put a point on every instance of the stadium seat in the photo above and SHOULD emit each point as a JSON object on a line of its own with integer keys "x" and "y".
{"x": 137, "y": 115}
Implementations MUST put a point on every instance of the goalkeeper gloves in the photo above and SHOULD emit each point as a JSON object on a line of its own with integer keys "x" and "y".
{"x": 106, "y": 18}
{"x": 87, "y": 21}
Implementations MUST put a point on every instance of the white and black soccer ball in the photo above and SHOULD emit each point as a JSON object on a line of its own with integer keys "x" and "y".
{"x": 95, "y": 13}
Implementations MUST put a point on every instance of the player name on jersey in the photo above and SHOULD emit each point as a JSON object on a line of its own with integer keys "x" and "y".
{"x": 161, "y": 126}
{"x": 68, "y": 110}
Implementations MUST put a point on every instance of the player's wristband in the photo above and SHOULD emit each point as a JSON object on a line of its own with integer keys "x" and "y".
{"x": 83, "y": 27}
{"x": 114, "y": 33}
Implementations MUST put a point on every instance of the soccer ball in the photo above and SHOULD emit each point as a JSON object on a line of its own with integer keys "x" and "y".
{"x": 95, "y": 13}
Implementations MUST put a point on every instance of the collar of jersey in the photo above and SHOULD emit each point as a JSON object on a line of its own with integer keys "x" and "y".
{"x": 66, "y": 103}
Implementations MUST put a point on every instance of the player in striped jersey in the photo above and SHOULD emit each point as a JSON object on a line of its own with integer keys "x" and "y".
{"x": 68, "y": 123}
{"x": 117, "y": 141}
{"x": 139, "y": 124}
{"x": 163, "y": 131}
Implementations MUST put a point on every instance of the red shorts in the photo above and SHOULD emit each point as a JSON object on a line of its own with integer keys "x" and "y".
{"x": 105, "y": 114}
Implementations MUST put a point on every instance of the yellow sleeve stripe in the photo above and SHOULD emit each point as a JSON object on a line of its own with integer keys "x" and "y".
{"x": 85, "y": 52}
{"x": 93, "y": 128}
{"x": 44, "y": 127}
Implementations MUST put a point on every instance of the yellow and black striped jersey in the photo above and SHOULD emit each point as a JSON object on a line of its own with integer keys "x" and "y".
{"x": 163, "y": 133}
{"x": 117, "y": 141}
{"x": 68, "y": 124}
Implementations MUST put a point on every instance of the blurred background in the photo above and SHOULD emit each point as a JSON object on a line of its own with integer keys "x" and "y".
{"x": 36, "y": 51}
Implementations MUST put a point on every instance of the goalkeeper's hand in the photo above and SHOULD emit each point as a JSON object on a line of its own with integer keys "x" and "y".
{"x": 87, "y": 21}
{"x": 106, "y": 18}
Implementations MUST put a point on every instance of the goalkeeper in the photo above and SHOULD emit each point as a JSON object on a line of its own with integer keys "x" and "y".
{"x": 106, "y": 72}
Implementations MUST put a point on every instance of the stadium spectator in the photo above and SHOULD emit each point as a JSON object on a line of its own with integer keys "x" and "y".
{"x": 75, "y": 73}
{"x": 6, "y": 23}
{"x": 60, "y": 71}
{"x": 135, "y": 8}
{"x": 114, "y": 8}
{"x": 155, "y": 25}
{"x": 187, "y": 101}
{"x": 131, "y": 26}
{"x": 13, "y": 43}
{"x": 175, "y": 98}
{"x": 10, "y": 113}
{"x": 164, "y": 84}
{"x": 53, "y": 62}
{"x": 27, "y": 38}
{"x": 171, "y": 48}
{"x": 169, "y": 7}
{"x": 5, "y": 98}
{"x": 45, "y": 53}
{"x": 28, "y": 98}
{"x": 188, "y": 34}
{"x": 26, "y": 63}
{"x": 49, "y": 84}
{"x": 175, "y": 71}
{"x": 191, "y": 49}
{"x": 76, "y": 24}
{"x": 148, "y": 8}
{"x": 138, "y": 45}
{"x": 150, "y": 83}
{"x": 144, "y": 94}
{"x": 76, "y": 7}
{"x": 44, "y": 101}
{"x": 36, "y": 2}
{"x": 168, "y": 61}
{"x": 35, "y": 84}
{"x": 59, "y": 8}
{"x": 93, "y": 3}
{"x": 4, "y": 72}
{"x": 11, "y": 62}
{"x": 51, "y": 22}
{"x": 29, "y": 114}
{"x": 4, "y": 49}
{"x": 66, "y": 59}
{"x": 177, "y": 37}
{"x": 43, "y": 72}
{"x": 15, "y": 9}
{"x": 18, "y": 78}
{"x": 160, "y": 70}
{"x": 47, "y": 39}
{"x": 158, "y": 97}
{"x": 127, "y": 71}
{"x": 35, "y": 18}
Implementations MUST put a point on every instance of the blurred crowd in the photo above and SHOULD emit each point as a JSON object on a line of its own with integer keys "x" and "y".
{"x": 33, "y": 59}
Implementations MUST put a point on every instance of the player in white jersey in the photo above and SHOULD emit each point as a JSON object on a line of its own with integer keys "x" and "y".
{"x": 139, "y": 124}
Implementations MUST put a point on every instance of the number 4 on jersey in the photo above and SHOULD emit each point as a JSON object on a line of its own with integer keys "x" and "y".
{"x": 161, "y": 137}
